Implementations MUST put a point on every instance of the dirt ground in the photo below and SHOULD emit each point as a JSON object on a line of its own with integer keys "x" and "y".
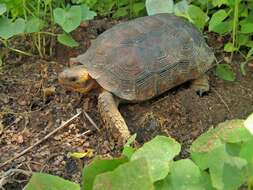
{"x": 32, "y": 104}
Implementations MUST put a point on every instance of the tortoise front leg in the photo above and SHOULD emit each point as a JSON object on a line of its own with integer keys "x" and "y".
{"x": 201, "y": 85}
{"x": 108, "y": 108}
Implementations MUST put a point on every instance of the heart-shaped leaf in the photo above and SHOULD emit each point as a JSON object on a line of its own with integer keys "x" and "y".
{"x": 3, "y": 9}
{"x": 132, "y": 175}
{"x": 229, "y": 47}
{"x": 217, "y": 19}
{"x": 247, "y": 28}
{"x": 41, "y": 181}
{"x": 67, "y": 40}
{"x": 34, "y": 25}
{"x": 121, "y": 12}
{"x": 68, "y": 19}
{"x": 159, "y": 6}
{"x": 197, "y": 16}
{"x": 98, "y": 167}
{"x": 87, "y": 14}
{"x": 9, "y": 28}
{"x": 158, "y": 152}
{"x": 181, "y": 9}
{"x": 138, "y": 8}
{"x": 225, "y": 72}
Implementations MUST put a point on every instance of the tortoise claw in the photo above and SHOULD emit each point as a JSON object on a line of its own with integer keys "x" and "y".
{"x": 201, "y": 85}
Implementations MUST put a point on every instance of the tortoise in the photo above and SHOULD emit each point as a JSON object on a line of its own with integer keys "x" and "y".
{"x": 137, "y": 61}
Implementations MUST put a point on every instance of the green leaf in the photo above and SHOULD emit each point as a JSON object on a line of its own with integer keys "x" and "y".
{"x": 219, "y": 3}
{"x": 247, "y": 28}
{"x": 34, "y": 25}
{"x": 244, "y": 11}
{"x": 224, "y": 27}
{"x": 247, "y": 154}
{"x": 3, "y": 9}
{"x": 243, "y": 39}
{"x": 249, "y": 44}
{"x": 158, "y": 152}
{"x": 223, "y": 169}
{"x": 202, "y": 146}
{"x": 138, "y": 8}
{"x": 164, "y": 184}
{"x": 90, "y": 3}
{"x": 181, "y": 9}
{"x": 248, "y": 123}
{"x": 250, "y": 53}
{"x": 97, "y": 167}
{"x": 233, "y": 131}
{"x": 40, "y": 181}
{"x": 68, "y": 19}
{"x": 197, "y": 16}
{"x": 133, "y": 175}
{"x": 159, "y": 6}
{"x": 229, "y": 47}
{"x": 128, "y": 150}
{"x": 185, "y": 175}
{"x": 131, "y": 140}
{"x": 67, "y": 40}
{"x": 121, "y": 12}
{"x": 87, "y": 14}
{"x": 217, "y": 19}
{"x": 9, "y": 29}
{"x": 225, "y": 72}
{"x": 218, "y": 151}
{"x": 78, "y": 1}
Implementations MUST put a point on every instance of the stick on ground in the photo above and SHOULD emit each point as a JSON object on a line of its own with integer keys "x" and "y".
{"x": 41, "y": 140}
{"x": 91, "y": 121}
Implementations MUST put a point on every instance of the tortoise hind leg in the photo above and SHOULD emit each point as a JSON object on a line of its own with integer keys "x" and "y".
{"x": 201, "y": 85}
{"x": 108, "y": 108}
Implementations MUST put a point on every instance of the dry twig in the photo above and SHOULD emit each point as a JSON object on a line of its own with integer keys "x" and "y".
{"x": 6, "y": 177}
{"x": 41, "y": 140}
{"x": 91, "y": 121}
{"x": 222, "y": 100}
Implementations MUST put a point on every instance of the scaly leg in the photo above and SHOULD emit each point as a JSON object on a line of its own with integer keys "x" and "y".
{"x": 108, "y": 108}
{"x": 201, "y": 85}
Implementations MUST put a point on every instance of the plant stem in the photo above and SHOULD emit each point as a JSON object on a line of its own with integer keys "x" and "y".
{"x": 24, "y": 9}
{"x": 20, "y": 51}
{"x": 52, "y": 29}
{"x": 14, "y": 49}
{"x": 235, "y": 27}
{"x": 48, "y": 33}
{"x": 131, "y": 8}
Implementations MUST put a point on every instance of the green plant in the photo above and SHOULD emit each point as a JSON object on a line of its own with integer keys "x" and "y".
{"x": 36, "y": 20}
{"x": 221, "y": 158}
{"x": 117, "y": 8}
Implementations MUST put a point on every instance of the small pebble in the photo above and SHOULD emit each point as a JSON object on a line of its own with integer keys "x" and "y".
{"x": 5, "y": 99}
{"x": 50, "y": 91}
{"x": 22, "y": 102}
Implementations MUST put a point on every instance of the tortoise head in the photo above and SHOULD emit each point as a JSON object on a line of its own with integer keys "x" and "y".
{"x": 77, "y": 79}
{"x": 205, "y": 57}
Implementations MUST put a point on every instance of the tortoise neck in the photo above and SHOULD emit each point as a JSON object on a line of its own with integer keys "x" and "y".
{"x": 95, "y": 86}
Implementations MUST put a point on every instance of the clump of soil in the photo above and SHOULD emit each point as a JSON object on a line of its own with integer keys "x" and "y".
{"x": 32, "y": 104}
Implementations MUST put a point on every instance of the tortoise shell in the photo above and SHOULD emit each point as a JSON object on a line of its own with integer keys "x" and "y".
{"x": 142, "y": 58}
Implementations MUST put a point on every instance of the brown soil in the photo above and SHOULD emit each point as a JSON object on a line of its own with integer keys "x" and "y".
{"x": 32, "y": 104}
